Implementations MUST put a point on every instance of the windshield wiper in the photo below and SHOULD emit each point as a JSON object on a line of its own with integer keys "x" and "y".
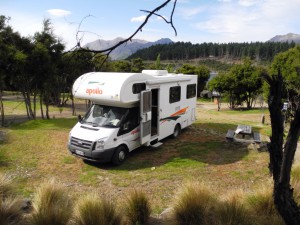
{"x": 109, "y": 125}
{"x": 93, "y": 124}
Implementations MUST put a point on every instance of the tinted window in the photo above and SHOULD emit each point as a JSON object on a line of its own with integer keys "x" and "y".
{"x": 137, "y": 88}
{"x": 191, "y": 91}
{"x": 175, "y": 94}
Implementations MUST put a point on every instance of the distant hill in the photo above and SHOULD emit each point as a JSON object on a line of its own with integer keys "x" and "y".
{"x": 125, "y": 50}
{"x": 286, "y": 38}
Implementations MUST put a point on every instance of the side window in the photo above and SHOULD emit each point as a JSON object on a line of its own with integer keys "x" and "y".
{"x": 138, "y": 87}
{"x": 190, "y": 91}
{"x": 131, "y": 121}
{"x": 175, "y": 93}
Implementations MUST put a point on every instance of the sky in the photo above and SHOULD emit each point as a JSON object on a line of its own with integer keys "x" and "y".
{"x": 196, "y": 21}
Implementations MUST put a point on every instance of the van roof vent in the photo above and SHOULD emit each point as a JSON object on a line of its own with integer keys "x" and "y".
{"x": 155, "y": 72}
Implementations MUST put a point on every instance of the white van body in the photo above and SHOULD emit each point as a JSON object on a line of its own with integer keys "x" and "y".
{"x": 130, "y": 110}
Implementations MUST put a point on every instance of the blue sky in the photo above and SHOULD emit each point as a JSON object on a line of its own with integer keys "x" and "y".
{"x": 196, "y": 21}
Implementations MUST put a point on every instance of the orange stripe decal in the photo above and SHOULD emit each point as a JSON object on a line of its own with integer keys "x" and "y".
{"x": 181, "y": 111}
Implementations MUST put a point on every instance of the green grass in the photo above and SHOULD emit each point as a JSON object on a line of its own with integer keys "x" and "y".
{"x": 37, "y": 150}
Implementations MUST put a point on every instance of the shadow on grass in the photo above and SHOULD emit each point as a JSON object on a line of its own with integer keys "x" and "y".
{"x": 198, "y": 145}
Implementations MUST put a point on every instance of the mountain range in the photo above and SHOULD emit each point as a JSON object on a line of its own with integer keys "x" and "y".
{"x": 127, "y": 49}
{"x": 286, "y": 38}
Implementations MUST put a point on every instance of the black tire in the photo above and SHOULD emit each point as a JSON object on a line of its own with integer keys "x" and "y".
{"x": 177, "y": 131}
{"x": 119, "y": 155}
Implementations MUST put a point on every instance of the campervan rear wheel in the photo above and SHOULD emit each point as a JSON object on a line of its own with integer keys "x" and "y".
{"x": 177, "y": 131}
{"x": 119, "y": 155}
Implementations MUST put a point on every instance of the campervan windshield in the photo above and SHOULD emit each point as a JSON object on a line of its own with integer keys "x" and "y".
{"x": 104, "y": 116}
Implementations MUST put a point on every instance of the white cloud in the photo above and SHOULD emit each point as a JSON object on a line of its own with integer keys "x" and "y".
{"x": 247, "y": 3}
{"x": 138, "y": 19}
{"x": 58, "y": 12}
{"x": 224, "y": 0}
{"x": 189, "y": 12}
{"x": 239, "y": 22}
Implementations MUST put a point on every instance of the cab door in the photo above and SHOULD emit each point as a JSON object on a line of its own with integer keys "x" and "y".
{"x": 145, "y": 114}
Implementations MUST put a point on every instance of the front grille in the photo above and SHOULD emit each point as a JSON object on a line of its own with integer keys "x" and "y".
{"x": 81, "y": 143}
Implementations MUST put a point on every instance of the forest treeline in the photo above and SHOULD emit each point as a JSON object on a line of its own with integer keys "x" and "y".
{"x": 258, "y": 51}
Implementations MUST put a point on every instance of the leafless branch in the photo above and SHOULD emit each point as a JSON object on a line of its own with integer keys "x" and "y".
{"x": 110, "y": 49}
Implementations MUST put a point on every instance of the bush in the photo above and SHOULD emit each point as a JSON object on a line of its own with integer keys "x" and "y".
{"x": 5, "y": 186}
{"x": 232, "y": 210}
{"x": 138, "y": 208}
{"x": 262, "y": 206}
{"x": 10, "y": 210}
{"x": 194, "y": 205}
{"x": 92, "y": 210}
{"x": 295, "y": 182}
{"x": 51, "y": 205}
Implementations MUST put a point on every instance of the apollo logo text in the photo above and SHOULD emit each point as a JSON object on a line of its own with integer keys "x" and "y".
{"x": 95, "y": 91}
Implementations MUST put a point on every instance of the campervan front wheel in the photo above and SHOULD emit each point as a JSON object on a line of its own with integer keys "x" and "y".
{"x": 177, "y": 131}
{"x": 119, "y": 155}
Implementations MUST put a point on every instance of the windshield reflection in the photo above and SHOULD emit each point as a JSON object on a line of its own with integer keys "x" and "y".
{"x": 104, "y": 116}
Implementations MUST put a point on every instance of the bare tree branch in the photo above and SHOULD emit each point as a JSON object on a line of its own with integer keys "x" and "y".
{"x": 107, "y": 51}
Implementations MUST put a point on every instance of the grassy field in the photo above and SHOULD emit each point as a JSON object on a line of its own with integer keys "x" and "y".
{"x": 35, "y": 151}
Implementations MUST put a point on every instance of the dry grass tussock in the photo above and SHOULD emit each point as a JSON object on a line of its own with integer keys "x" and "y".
{"x": 51, "y": 205}
{"x": 10, "y": 205}
{"x": 138, "y": 208}
{"x": 5, "y": 185}
{"x": 231, "y": 210}
{"x": 194, "y": 204}
{"x": 262, "y": 207}
{"x": 94, "y": 210}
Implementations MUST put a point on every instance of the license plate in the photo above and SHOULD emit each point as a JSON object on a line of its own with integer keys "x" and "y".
{"x": 79, "y": 152}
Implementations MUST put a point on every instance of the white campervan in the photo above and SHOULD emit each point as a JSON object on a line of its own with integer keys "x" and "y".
{"x": 130, "y": 110}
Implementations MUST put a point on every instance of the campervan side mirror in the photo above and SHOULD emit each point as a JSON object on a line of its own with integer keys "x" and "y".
{"x": 79, "y": 118}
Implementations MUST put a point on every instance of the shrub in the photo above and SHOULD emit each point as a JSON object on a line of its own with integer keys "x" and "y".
{"x": 10, "y": 210}
{"x": 51, "y": 205}
{"x": 5, "y": 185}
{"x": 194, "y": 205}
{"x": 92, "y": 210}
{"x": 295, "y": 182}
{"x": 232, "y": 211}
{"x": 138, "y": 208}
{"x": 263, "y": 208}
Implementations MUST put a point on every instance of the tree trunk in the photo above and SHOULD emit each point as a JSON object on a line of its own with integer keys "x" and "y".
{"x": 276, "y": 144}
{"x": 26, "y": 97}
{"x": 281, "y": 161}
{"x": 2, "y": 109}
{"x": 73, "y": 105}
{"x": 47, "y": 110}
{"x": 41, "y": 106}
{"x": 34, "y": 105}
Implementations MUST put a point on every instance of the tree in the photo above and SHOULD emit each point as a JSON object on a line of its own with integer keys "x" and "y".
{"x": 248, "y": 82}
{"x": 121, "y": 66}
{"x": 157, "y": 63}
{"x": 242, "y": 83}
{"x": 137, "y": 65}
{"x": 14, "y": 56}
{"x": 202, "y": 72}
{"x": 283, "y": 80}
{"x": 49, "y": 51}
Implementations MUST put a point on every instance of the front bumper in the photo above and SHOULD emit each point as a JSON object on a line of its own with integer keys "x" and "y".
{"x": 92, "y": 155}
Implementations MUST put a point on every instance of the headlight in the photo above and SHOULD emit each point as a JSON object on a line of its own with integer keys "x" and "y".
{"x": 100, "y": 144}
{"x": 69, "y": 140}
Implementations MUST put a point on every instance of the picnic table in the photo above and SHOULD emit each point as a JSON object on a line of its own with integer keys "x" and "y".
{"x": 244, "y": 130}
